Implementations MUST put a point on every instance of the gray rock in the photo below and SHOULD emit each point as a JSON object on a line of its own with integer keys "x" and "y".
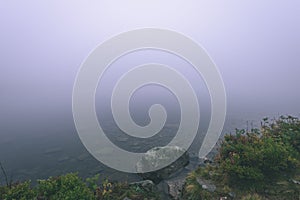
{"x": 147, "y": 185}
{"x": 126, "y": 198}
{"x": 223, "y": 198}
{"x": 175, "y": 187}
{"x": 296, "y": 182}
{"x": 157, "y": 157}
{"x": 232, "y": 194}
{"x": 163, "y": 190}
{"x": 193, "y": 164}
{"x": 206, "y": 185}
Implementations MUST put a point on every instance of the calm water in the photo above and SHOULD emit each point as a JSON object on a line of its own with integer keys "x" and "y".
{"x": 51, "y": 146}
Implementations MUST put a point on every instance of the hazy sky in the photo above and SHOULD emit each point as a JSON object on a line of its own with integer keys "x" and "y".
{"x": 255, "y": 44}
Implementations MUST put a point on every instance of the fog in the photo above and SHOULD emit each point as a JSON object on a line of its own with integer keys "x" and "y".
{"x": 255, "y": 45}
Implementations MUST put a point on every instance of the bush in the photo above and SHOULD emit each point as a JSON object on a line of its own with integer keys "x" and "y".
{"x": 193, "y": 190}
{"x": 252, "y": 197}
{"x": 72, "y": 187}
{"x": 17, "y": 191}
{"x": 285, "y": 129}
{"x": 251, "y": 159}
{"x": 69, "y": 186}
{"x": 262, "y": 162}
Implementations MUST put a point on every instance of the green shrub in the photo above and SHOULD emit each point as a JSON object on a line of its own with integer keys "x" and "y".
{"x": 252, "y": 197}
{"x": 72, "y": 187}
{"x": 260, "y": 163}
{"x": 253, "y": 158}
{"x": 17, "y": 191}
{"x": 285, "y": 129}
{"x": 193, "y": 190}
{"x": 69, "y": 186}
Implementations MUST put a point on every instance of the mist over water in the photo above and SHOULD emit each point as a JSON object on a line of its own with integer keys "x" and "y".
{"x": 255, "y": 45}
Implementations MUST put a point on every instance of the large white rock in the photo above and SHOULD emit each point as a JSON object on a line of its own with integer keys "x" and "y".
{"x": 158, "y": 156}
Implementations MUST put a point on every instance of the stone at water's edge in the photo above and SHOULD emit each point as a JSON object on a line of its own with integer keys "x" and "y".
{"x": 157, "y": 156}
{"x": 147, "y": 185}
{"x": 175, "y": 187}
{"x": 206, "y": 185}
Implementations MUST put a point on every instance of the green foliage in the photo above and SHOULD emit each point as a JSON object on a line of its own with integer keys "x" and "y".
{"x": 193, "y": 190}
{"x": 285, "y": 129}
{"x": 72, "y": 187}
{"x": 17, "y": 191}
{"x": 135, "y": 192}
{"x": 254, "y": 165}
{"x": 251, "y": 159}
{"x": 92, "y": 182}
{"x": 69, "y": 186}
{"x": 265, "y": 161}
{"x": 252, "y": 197}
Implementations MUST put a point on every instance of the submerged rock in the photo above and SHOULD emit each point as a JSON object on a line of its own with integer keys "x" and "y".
{"x": 83, "y": 156}
{"x": 157, "y": 157}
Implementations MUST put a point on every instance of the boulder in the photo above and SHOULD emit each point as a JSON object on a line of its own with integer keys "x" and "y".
{"x": 175, "y": 187}
{"x": 159, "y": 155}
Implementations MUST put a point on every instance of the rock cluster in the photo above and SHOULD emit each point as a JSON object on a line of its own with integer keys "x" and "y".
{"x": 158, "y": 156}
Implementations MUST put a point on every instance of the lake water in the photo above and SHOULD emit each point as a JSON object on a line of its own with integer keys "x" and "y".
{"x": 51, "y": 146}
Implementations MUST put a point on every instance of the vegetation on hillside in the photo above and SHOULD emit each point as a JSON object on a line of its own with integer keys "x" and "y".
{"x": 255, "y": 164}
{"x": 72, "y": 187}
{"x": 250, "y": 165}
